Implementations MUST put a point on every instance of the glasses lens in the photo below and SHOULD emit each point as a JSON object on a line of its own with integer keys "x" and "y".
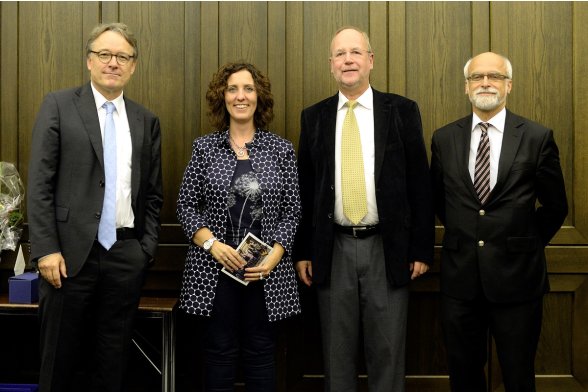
{"x": 122, "y": 59}
{"x": 104, "y": 57}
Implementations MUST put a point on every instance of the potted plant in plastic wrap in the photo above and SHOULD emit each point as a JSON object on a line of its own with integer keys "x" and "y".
{"x": 11, "y": 199}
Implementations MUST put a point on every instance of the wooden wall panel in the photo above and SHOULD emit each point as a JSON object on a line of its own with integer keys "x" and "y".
{"x": 9, "y": 135}
{"x": 294, "y": 69}
{"x": 438, "y": 43}
{"x": 577, "y": 187}
{"x": 320, "y": 21}
{"x": 45, "y": 62}
{"x": 537, "y": 37}
{"x": 276, "y": 66}
{"x": 420, "y": 49}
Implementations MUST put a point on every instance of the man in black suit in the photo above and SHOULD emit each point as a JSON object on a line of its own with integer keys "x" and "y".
{"x": 499, "y": 192}
{"x": 361, "y": 252}
{"x": 91, "y": 280}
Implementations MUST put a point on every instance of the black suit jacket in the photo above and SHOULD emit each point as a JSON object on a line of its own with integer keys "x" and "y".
{"x": 509, "y": 264}
{"x": 403, "y": 194}
{"x": 66, "y": 176}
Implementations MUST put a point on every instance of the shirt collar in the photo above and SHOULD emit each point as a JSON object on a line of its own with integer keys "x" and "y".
{"x": 366, "y": 99}
{"x": 497, "y": 121}
{"x": 99, "y": 99}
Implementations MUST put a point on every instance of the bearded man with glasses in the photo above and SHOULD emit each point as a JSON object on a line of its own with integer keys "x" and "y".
{"x": 499, "y": 191}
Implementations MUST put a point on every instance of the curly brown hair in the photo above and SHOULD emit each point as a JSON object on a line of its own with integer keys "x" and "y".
{"x": 215, "y": 96}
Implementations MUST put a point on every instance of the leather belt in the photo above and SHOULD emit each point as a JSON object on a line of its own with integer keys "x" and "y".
{"x": 125, "y": 233}
{"x": 358, "y": 231}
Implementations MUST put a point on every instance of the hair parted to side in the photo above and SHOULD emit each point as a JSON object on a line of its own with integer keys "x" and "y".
{"x": 349, "y": 27}
{"x": 120, "y": 28}
{"x": 215, "y": 96}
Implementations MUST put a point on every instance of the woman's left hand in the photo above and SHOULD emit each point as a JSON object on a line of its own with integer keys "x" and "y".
{"x": 264, "y": 270}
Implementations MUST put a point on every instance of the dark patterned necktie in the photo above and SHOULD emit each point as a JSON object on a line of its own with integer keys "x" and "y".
{"x": 482, "y": 172}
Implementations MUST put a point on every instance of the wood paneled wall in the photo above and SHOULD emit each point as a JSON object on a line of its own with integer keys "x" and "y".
{"x": 420, "y": 49}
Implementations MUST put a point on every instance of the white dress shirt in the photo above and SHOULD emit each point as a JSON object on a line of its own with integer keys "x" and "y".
{"x": 124, "y": 153}
{"x": 364, "y": 113}
{"x": 495, "y": 133}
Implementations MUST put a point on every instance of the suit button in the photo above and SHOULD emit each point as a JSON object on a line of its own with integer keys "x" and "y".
{"x": 482, "y": 212}
{"x": 98, "y": 215}
{"x": 332, "y": 187}
{"x": 330, "y": 216}
{"x": 101, "y": 184}
{"x": 480, "y": 243}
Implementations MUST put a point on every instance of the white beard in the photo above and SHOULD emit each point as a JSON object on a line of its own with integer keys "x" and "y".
{"x": 486, "y": 103}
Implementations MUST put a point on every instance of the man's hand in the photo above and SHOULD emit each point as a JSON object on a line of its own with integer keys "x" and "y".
{"x": 304, "y": 269}
{"x": 52, "y": 268}
{"x": 418, "y": 268}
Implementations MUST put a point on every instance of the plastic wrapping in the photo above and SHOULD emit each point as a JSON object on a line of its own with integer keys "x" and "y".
{"x": 11, "y": 209}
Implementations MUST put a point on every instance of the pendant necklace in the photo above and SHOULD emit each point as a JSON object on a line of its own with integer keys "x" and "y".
{"x": 241, "y": 149}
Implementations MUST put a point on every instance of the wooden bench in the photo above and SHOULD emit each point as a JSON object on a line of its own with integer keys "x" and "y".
{"x": 149, "y": 307}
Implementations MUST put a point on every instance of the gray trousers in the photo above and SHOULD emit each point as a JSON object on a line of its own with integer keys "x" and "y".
{"x": 358, "y": 297}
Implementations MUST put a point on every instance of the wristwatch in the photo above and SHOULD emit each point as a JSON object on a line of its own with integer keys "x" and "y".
{"x": 208, "y": 244}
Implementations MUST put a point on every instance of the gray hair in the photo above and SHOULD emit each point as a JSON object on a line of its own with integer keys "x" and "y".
{"x": 506, "y": 62}
{"x": 119, "y": 28}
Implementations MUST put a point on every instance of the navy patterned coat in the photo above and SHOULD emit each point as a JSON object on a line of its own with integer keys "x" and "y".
{"x": 203, "y": 202}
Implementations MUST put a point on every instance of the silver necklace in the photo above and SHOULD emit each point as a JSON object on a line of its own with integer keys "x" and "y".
{"x": 241, "y": 150}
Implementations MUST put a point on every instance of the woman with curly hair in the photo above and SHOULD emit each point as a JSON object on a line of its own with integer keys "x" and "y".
{"x": 240, "y": 179}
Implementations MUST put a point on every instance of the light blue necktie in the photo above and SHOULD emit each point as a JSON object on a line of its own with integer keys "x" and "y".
{"x": 107, "y": 227}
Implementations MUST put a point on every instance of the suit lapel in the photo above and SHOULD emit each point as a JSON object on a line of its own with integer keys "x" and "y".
{"x": 137, "y": 129}
{"x": 382, "y": 123}
{"x": 327, "y": 123}
{"x": 86, "y": 105}
{"x": 462, "y": 140}
{"x": 513, "y": 130}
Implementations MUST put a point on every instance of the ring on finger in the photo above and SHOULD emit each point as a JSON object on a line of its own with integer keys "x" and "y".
{"x": 261, "y": 276}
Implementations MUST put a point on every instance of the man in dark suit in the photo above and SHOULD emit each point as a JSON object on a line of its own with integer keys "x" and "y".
{"x": 93, "y": 217}
{"x": 364, "y": 234}
{"x": 499, "y": 192}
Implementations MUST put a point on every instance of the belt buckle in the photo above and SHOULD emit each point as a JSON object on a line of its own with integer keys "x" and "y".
{"x": 357, "y": 230}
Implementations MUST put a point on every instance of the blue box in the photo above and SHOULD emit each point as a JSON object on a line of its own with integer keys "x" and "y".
{"x": 19, "y": 388}
{"x": 23, "y": 289}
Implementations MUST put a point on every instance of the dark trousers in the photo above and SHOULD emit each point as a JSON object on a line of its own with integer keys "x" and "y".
{"x": 359, "y": 298}
{"x": 87, "y": 324}
{"x": 239, "y": 327}
{"x": 515, "y": 327}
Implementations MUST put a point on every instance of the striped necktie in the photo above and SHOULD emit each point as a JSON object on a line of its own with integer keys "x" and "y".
{"x": 482, "y": 172}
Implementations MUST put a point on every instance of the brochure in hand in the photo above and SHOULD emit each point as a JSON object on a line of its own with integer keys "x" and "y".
{"x": 254, "y": 251}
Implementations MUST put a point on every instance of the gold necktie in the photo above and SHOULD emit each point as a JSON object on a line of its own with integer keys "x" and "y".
{"x": 352, "y": 175}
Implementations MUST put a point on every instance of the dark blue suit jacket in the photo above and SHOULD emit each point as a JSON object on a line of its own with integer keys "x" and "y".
{"x": 403, "y": 193}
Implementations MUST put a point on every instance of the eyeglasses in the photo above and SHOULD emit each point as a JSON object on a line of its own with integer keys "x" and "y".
{"x": 492, "y": 77}
{"x": 354, "y": 54}
{"x": 105, "y": 57}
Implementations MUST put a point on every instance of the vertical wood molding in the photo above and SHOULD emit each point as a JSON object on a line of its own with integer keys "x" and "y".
{"x": 276, "y": 64}
{"x": 192, "y": 80}
{"x": 209, "y": 55}
{"x": 577, "y": 190}
{"x": 397, "y": 42}
{"x": 295, "y": 58}
{"x": 9, "y": 59}
{"x": 378, "y": 33}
